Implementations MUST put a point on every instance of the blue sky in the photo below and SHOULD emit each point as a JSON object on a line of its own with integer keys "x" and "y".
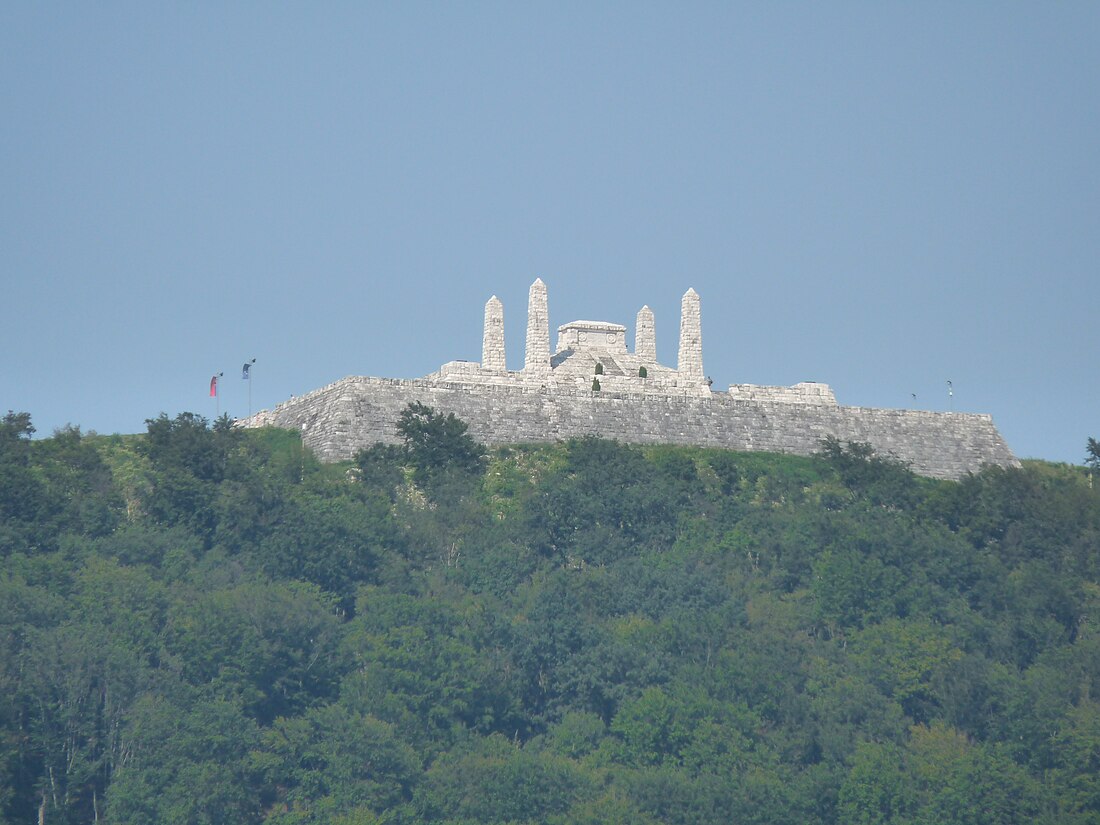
{"x": 880, "y": 196}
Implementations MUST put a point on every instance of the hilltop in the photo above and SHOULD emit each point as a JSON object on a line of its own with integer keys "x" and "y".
{"x": 592, "y": 385}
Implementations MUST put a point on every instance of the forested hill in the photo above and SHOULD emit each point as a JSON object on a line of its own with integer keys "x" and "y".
{"x": 202, "y": 624}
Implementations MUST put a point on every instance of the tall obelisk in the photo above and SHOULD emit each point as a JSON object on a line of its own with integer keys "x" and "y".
{"x": 690, "y": 362}
{"x": 536, "y": 364}
{"x": 492, "y": 340}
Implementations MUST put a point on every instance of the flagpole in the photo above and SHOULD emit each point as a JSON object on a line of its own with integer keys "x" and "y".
{"x": 214, "y": 391}
{"x": 246, "y": 374}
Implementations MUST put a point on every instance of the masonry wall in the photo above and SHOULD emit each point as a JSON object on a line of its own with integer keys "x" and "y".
{"x": 808, "y": 392}
{"x": 337, "y": 420}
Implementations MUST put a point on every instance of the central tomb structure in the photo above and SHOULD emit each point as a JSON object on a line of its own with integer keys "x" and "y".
{"x": 597, "y": 349}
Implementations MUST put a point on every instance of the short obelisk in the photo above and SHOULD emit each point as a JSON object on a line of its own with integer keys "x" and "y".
{"x": 645, "y": 338}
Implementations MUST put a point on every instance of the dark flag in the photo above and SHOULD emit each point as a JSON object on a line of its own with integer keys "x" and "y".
{"x": 246, "y": 370}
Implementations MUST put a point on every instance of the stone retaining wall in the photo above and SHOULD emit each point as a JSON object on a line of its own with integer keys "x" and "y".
{"x": 337, "y": 420}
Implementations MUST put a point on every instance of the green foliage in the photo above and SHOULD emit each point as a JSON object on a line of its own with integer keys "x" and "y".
{"x": 438, "y": 447}
{"x": 204, "y": 625}
{"x": 380, "y": 469}
{"x": 187, "y": 444}
{"x": 499, "y": 782}
{"x": 334, "y": 761}
{"x": 686, "y": 729}
{"x": 51, "y": 487}
{"x": 16, "y": 428}
{"x": 578, "y": 734}
{"x": 1077, "y": 767}
{"x": 80, "y": 484}
{"x": 1092, "y": 449}
{"x": 269, "y": 648}
{"x": 186, "y": 765}
{"x": 953, "y": 780}
{"x": 878, "y": 479}
{"x": 22, "y": 497}
{"x": 876, "y": 790}
{"x": 430, "y": 670}
{"x": 335, "y": 543}
{"x": 603, "y": 504}
{"x": 905, "y": 660}
{"x": 851, "y": 588}
{"x": 188, "y": 460}
{"x": 595, "y": 385}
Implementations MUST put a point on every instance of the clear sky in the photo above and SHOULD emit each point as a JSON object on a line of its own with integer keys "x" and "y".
{"x": 880, "y": 196}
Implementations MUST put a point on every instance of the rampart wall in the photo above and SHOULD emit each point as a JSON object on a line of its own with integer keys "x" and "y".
{"x": 337, "y": 420}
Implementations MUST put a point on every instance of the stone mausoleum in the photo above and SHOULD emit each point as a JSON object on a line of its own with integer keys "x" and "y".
{"x": 592, "y": 384}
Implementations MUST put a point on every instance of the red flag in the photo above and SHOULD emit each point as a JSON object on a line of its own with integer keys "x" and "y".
{"x": 214, "y": 386}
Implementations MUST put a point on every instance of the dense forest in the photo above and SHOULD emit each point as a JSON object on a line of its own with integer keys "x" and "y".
{"x": 202, "y": 624}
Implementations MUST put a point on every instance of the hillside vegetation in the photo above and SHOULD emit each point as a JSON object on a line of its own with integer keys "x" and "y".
{"x": 204, "y": 625}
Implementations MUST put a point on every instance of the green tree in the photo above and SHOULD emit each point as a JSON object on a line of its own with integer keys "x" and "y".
{"x": 187, "y": 443}
{"x": 958, "y": 782}
{"x": 906, "y": 660}
{"x": 187, "y": 766}
{"x": 438, "y": 446}
{"x": 22, "y": 494}
{"x": 607, "y": 501}
{"x": 876, "y": 790}
{"x": 577, "y": 734}
{"x": 653, "y": 728}
{"x": 381, "y": 469}
{"x": 80, "y": 485}
{"x": 1092, "y": 459}
{"x": 499, "y": 782}
{"x": 333, "y": 542}
{"x": 880, "y": 479}
{"x": 269, "y": 647}
{"x": 428, "y": 668}
{"x": 850, "y": 588}
{"x": 78, "y": 686}
{"x": 1077, "y": 770}
{"x": 331, "y": 760}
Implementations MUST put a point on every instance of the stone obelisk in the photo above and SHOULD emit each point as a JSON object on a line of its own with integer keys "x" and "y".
{"x": 492, "y": 340}
{"x": 690, "y": 362}
{"x": 645, "y": 338}
{"x": 536, "y": 364}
